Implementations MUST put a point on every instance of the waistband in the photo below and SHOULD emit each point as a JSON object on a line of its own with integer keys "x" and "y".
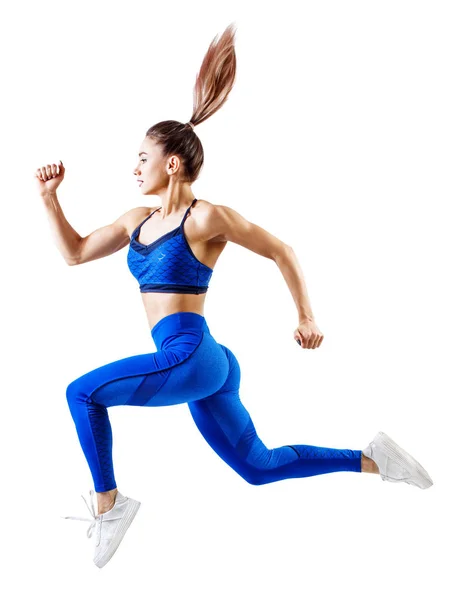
{"x": 180, "y": 322}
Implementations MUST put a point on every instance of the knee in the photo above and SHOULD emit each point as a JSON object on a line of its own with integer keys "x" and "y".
{"x": 75, "y": 392}
{"x": 254, "y": 477}
{"x": 71, "y": 391}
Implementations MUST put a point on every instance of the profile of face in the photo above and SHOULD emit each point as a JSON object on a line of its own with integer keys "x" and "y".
{"x": 154, "y": 169}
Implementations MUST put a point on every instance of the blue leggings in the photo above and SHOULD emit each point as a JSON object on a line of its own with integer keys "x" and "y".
{"x": 189, "y": 366}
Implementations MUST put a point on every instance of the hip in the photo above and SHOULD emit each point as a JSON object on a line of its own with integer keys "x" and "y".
{"x": 194, "y": 359}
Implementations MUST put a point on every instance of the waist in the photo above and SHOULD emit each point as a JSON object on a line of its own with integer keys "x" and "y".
{"x": 158, "y": 306}
{"x": 167, "y": 329}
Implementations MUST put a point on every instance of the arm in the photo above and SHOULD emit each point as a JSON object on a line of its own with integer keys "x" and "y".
{"x": 228, "y": 225}
{"x": 293, "y": 275}
{"x": 76, "y": 249}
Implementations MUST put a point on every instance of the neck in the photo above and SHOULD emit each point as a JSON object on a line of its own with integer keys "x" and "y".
{"x": 175, "y": 200}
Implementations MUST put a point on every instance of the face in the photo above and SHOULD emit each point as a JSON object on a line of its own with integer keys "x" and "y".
{"x": 154, "y": 169}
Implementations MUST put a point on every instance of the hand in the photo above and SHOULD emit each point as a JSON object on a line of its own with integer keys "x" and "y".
{"x": 49, "y": 177}
{"x": 308, "y": 335}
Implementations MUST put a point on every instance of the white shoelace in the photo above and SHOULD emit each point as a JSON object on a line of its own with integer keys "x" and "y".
{"x": 95, "y": 518}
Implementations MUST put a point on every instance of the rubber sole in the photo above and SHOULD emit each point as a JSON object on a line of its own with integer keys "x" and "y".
{"x": 131, "y": 512}
{"x": 397, "y": 453}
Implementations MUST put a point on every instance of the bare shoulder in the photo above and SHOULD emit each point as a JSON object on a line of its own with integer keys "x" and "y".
{"x": 204, "y": 213}
{"x": 133, "y": 217}
{"x": 208, "y": 220}
{"x": 210, "y": 209}
{"x": 204, "y": 208}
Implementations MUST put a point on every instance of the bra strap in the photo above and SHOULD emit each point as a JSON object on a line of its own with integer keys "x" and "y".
{"x": 151, "y": 214}
{"x": 187, "y": 211}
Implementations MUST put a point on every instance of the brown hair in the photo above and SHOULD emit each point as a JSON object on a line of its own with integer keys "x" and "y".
{"x": 213, "y": 84}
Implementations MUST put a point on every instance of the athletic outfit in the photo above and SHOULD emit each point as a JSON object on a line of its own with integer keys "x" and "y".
{"x": 191, "y": 367}
{"x": 168, "y": 264}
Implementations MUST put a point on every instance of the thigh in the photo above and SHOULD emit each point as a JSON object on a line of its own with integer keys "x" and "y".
{"x": 182, "y": 373}
{"x": 131, "y": 380}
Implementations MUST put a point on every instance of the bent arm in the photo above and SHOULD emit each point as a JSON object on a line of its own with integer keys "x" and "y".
{"x": 228, "y": 225}
{"x": 76, "y": 249}
{"x": 65, "y": 237}
{"x": 291, "y": 270}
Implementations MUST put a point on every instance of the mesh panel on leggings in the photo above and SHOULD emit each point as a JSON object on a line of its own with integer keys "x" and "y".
{"x": 121, "y": 391}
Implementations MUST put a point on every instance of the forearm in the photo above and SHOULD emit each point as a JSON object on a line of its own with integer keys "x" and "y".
{"x": 293, "y": 275}
{"x": 65, "y": 237}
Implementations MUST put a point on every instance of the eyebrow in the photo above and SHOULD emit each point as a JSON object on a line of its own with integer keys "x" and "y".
{"x": 140, "y": 153}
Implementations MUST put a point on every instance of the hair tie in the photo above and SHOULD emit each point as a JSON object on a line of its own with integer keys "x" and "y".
{"x": 190, "y": 124}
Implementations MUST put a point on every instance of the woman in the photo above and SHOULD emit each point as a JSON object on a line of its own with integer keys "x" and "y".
{"x": 173, "y": 249}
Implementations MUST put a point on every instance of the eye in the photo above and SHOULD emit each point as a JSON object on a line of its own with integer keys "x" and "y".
{"x": 142, "y": 159}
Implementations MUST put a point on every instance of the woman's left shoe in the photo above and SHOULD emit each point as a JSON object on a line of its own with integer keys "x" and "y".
{"x": 110, "y": 526}
{"x": 395, "y": 464}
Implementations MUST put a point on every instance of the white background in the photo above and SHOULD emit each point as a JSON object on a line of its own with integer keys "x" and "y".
{"x": 340, "y": 137}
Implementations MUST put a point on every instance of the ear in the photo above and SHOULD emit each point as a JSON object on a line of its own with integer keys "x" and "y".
{"x": 173, "y": 165}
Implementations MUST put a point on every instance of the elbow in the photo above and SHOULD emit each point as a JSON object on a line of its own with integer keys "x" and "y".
{"x": 74, "y": 257}
{"x": 282, "y": 251}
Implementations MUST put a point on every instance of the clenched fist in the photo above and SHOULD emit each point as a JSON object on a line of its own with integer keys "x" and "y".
{"x": 49, "y": 177}
{"x": 308, "y": 335}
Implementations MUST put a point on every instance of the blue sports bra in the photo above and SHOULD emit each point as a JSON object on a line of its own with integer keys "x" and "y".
{"x": 167, "y": 264}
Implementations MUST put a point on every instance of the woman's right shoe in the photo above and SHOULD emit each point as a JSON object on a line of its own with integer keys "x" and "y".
{"x": 395, "y": 464}
{"x": 109, "y": 527}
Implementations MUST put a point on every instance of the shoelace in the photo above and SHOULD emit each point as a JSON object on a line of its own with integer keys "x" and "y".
{"x": 96, "y": 519}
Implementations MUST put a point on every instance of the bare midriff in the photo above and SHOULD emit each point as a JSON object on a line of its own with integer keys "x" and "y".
{"x": 160, "y": 304}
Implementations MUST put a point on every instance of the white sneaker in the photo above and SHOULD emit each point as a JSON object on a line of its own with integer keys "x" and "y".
{"x": 110, "y": 526}
{"x": 395, "y": 464}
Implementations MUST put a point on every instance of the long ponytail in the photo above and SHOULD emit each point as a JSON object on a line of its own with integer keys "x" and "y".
{"x": 216, "y": 77}
{"x": 213, "y": 84}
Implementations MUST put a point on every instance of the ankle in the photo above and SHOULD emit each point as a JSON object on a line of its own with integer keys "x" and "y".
{"x": 368, "y": 465}
{"x": 109, "y": 495}
{"x": 105, "y": 508}
{"x": 106, "y": 500}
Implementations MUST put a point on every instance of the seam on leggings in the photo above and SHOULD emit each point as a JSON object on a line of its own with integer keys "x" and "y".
{"x": 294, "y": 449}
{"x": 150, "y": 372}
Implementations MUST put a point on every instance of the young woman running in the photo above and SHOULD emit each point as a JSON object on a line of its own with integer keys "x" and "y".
{"x": 173, "y": 249}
